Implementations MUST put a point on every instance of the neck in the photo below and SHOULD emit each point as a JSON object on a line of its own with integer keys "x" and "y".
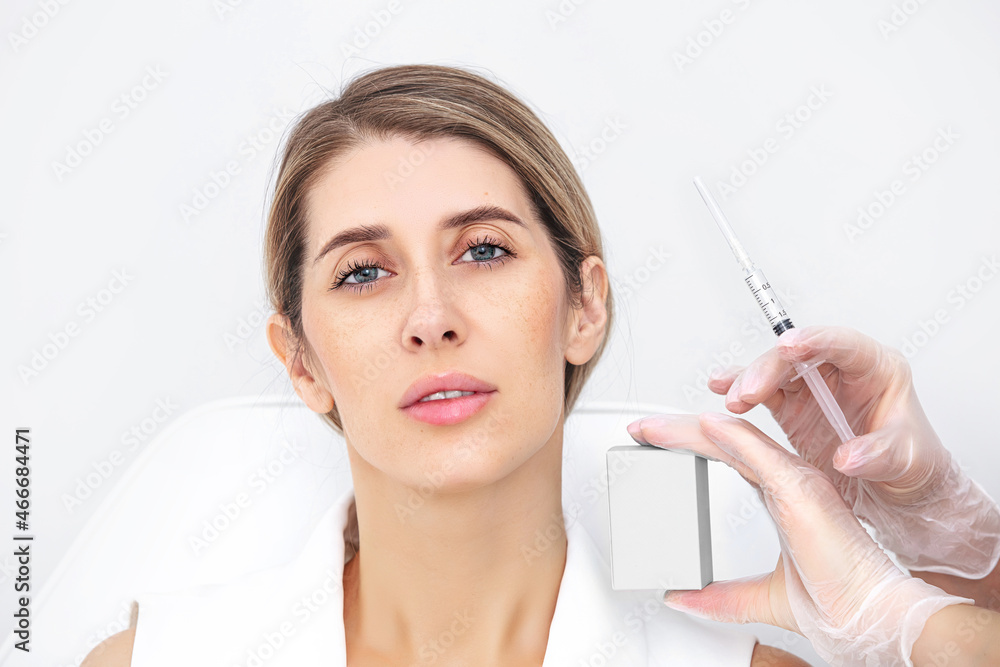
{"x": 470, "y": 576}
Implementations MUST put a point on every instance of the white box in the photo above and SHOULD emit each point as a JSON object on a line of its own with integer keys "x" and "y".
{"x": 661, "y": 536}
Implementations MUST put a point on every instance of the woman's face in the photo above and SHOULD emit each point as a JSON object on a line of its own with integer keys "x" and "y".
{"x": 485, "y": 298}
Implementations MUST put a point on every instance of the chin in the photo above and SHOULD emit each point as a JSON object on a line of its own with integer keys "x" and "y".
{"x": 462, "y": 468}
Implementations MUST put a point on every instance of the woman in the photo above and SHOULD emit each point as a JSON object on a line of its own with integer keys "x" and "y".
{"x": 450, "y": 385}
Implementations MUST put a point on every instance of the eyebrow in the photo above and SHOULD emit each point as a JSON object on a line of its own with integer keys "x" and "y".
{"x": 379, "y": 232}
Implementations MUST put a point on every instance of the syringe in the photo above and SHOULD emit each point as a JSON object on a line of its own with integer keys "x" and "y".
{"x": 777, "y": 316}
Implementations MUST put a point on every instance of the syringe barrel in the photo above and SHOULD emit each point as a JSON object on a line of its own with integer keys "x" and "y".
{"x": 768, "y": 301}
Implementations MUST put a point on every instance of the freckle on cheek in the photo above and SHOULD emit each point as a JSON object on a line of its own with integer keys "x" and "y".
{"x": 538, "y": 315}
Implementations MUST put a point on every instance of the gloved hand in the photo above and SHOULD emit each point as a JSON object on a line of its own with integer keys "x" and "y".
{"x": 832, "y": 583}
{"x": 896, "y": 474}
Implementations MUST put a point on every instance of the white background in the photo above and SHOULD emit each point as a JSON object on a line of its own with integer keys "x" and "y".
{"x": 894, "y": 74}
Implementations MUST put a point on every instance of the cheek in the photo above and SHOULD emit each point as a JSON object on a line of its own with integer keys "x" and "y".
{"x": 347, "y": 346}
{"x": 535, "y": 315}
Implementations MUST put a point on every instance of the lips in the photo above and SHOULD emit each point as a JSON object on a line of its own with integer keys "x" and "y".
{"x": 447, "y": 381}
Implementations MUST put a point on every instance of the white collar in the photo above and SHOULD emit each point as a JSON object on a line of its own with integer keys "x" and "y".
{"x": 590, "y": 619}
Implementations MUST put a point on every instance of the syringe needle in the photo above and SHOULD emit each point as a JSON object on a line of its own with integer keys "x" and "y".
{"x": 727, "y": 231}
{"x": 776, "y": 316}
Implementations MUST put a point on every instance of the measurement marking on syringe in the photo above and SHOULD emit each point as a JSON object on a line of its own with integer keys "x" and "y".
{"x": 757, "y": 283}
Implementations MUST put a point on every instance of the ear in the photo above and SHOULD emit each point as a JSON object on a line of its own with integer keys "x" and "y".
{"x": 282, "y": 342}
{"x": 588, "y": 322}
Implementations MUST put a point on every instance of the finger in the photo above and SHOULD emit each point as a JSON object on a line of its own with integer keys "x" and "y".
{"x": 791, "y": 499}
{"x": 851, "y": 351}
{"x": 877, "y": 457}
{"x": 812, "y": 519}
{"x": 745, "y": 600}
{"x": 720, "y": 380}
{"x": 683, "y": 433}
{"x": 759, "y": 384}
{"x": 746, "y": 443}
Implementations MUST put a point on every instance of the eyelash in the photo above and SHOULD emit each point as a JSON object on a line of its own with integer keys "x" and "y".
{"x": 375, "y": 264}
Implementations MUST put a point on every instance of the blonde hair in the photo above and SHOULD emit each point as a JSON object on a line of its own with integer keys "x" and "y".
{"x": 419, "y": 102}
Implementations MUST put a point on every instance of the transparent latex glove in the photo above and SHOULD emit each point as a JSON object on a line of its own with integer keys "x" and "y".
{"x": 896, "y": 474}
{"x": 832, "y": 583}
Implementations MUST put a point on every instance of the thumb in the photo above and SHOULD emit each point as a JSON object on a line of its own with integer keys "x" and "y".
{"x": 744, "y": 600}
{"x": 873, "y": 456}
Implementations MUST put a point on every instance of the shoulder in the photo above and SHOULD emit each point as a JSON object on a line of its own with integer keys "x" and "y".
{"x": 115, "y": 651}
{"x": 767, "y": 656}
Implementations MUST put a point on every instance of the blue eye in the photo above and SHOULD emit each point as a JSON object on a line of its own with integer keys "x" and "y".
{"x": 478, "y": 250}
{"x": 366, "y": 270}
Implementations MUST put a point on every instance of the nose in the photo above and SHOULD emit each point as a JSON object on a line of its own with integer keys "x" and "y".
{"x": 433, "y": 320}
